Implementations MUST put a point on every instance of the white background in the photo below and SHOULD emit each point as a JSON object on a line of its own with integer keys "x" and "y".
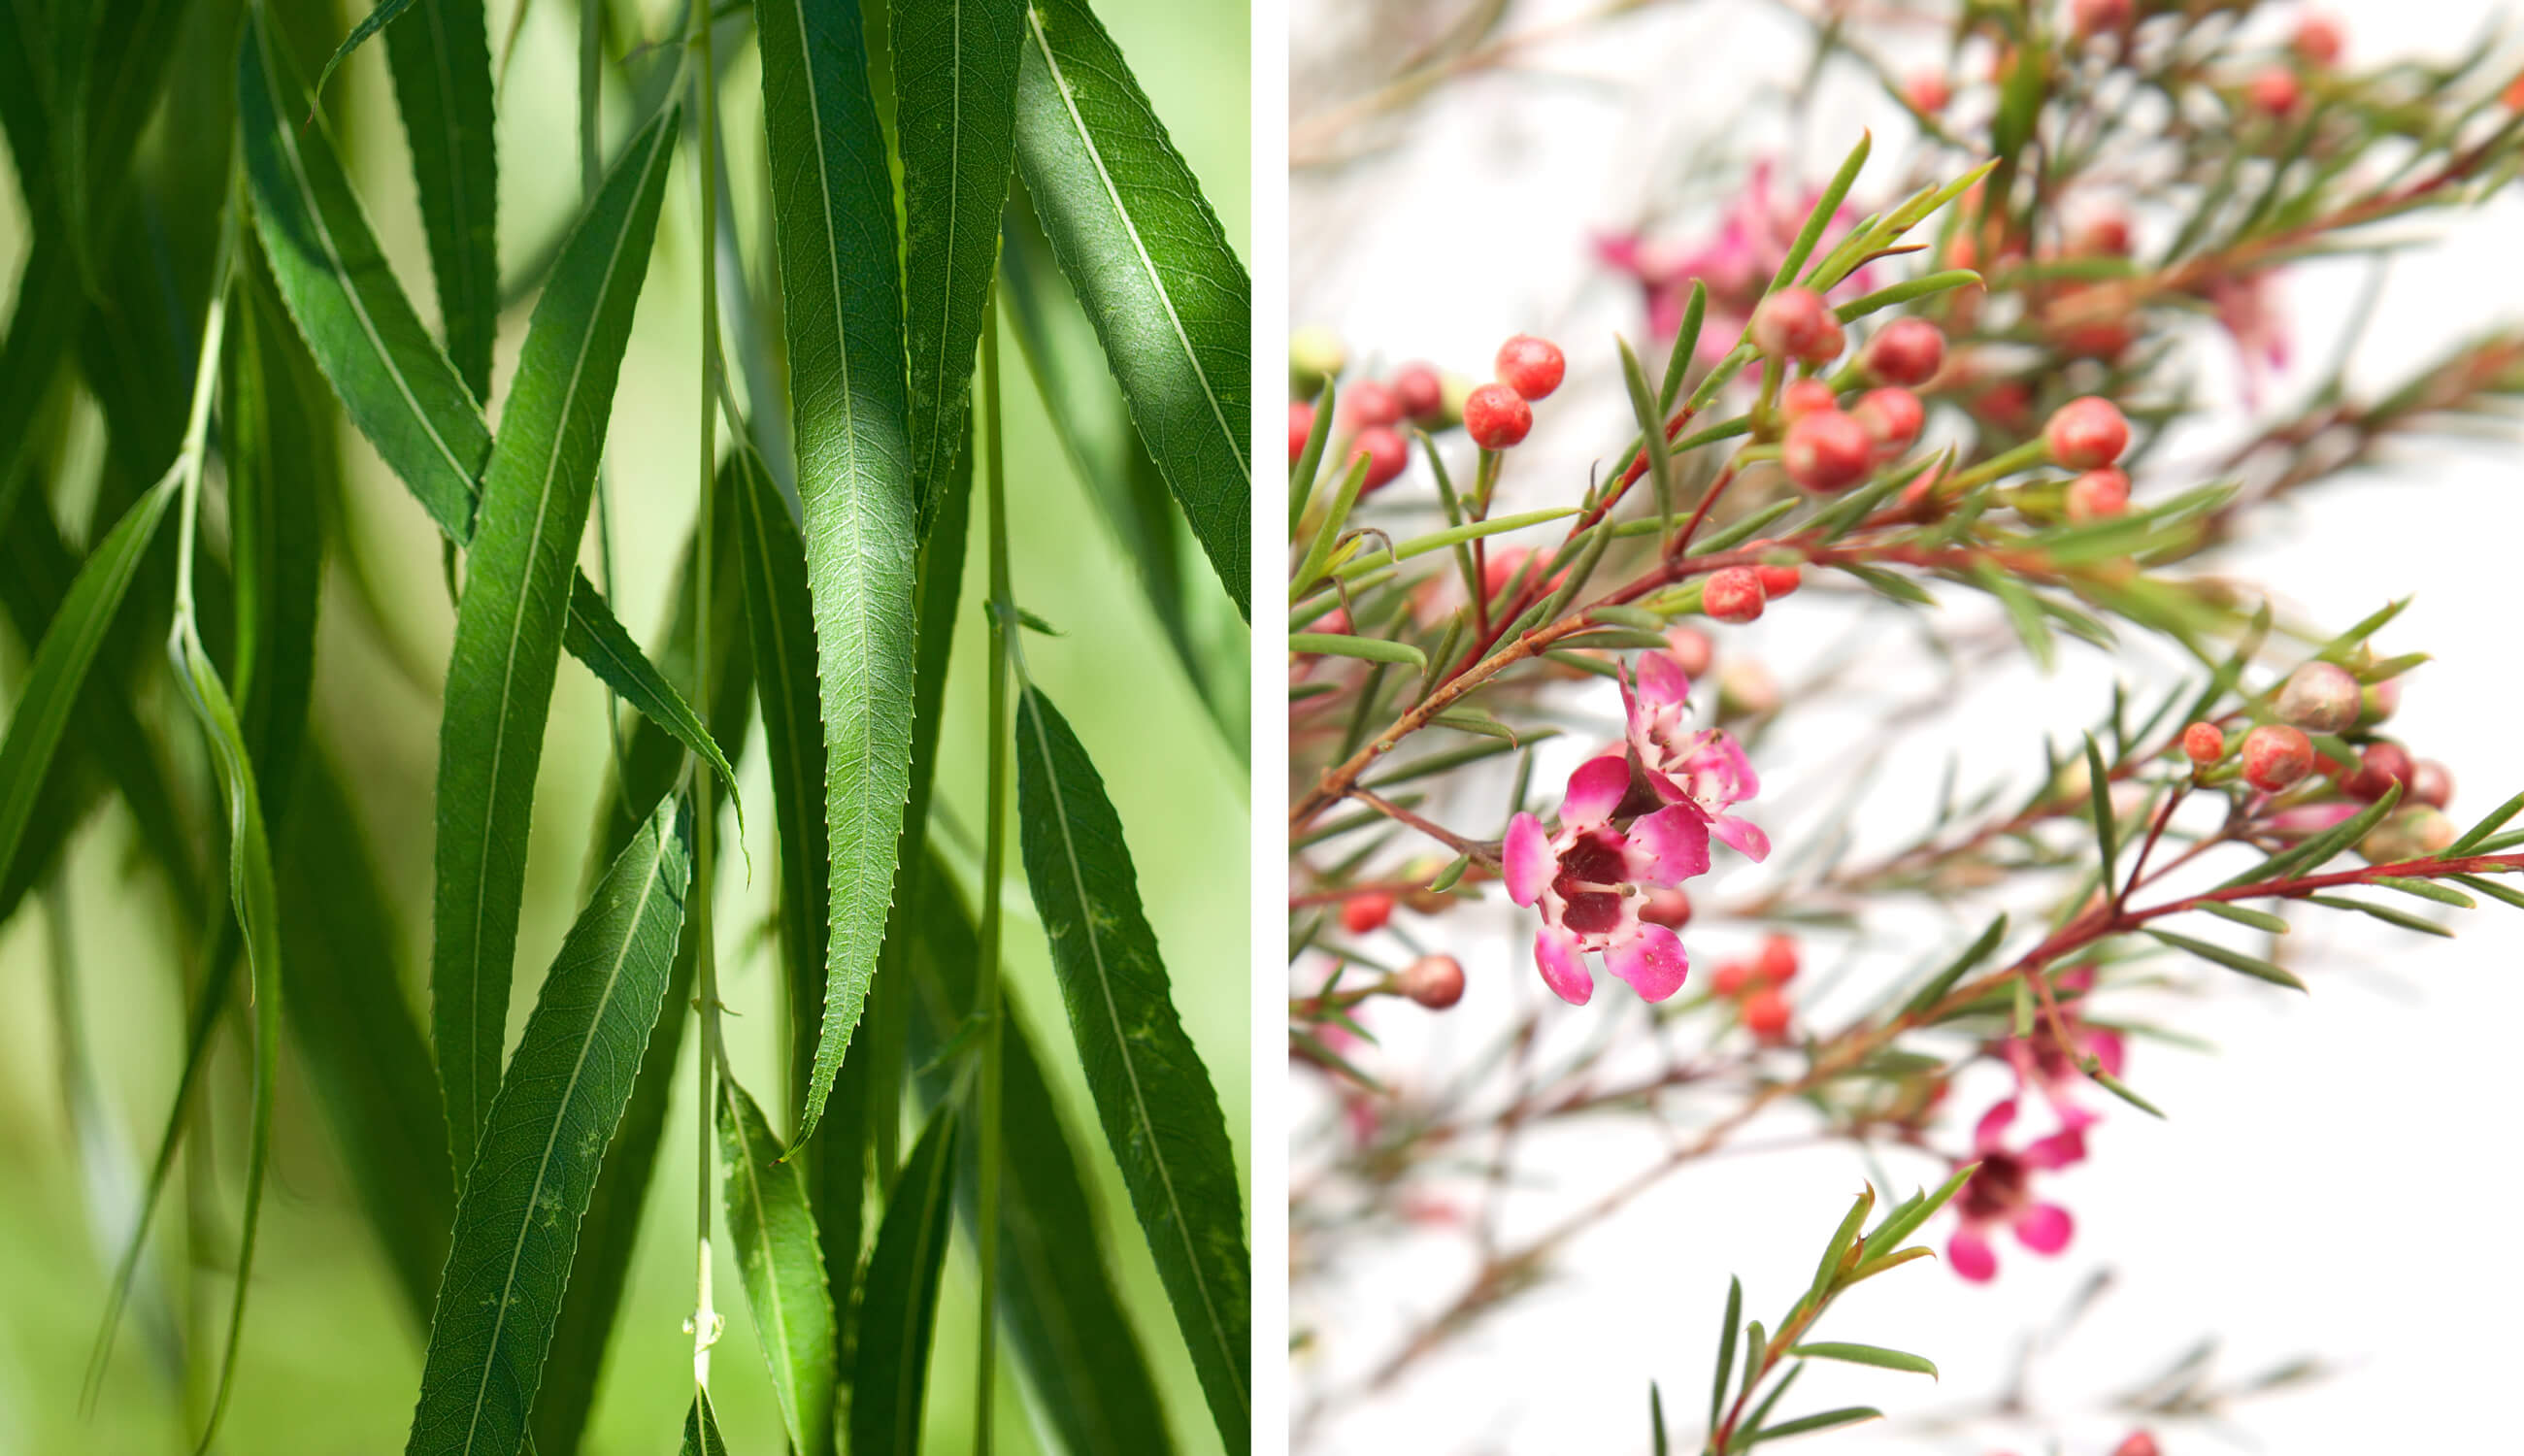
{"x": 2336, "y": 1180}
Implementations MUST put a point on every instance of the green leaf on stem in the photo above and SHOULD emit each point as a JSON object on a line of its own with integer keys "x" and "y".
{"x": 518, "y": 1223}
{"x": 955, "y": 87}
{"x": 1151, "y": 266}
{"x": 899, "y": 1309}
{"x": 1343, "y": 645}
{"x": 1151, "y": 1092}
{"x": 772, "y": 1226}
{"x": 1727, "y": 1347}
{"x": 2427, "y": 890}
{"x": 385, "y": 14}
{"x": 441, "y": 61}
{"x": 2118, "y": 1089}
{"x": 2386, "y": 913}
{"x": 1818, "y": 216}
{"x": 1944, "y": 981}
{"x": 2098, "y": 786}
{"x": 701, "y": 1429}
{"x": 2233, "y": 960}
{"x": 1687, "y": 345}
{"x": 2245, "y": 915}
{"x": 1822, "y": 1421}
{"x": 833, "y": 220}
{"x": 1647, "y": 408}
{"x": 1868, "y": 1354}
{"x": 2315, "y": 850}
{"x": 1905, "y": 292}
{"x": 508, "y": 624}
{"x": 1827, "y": 1270}
{"x": 2490, "y": 823}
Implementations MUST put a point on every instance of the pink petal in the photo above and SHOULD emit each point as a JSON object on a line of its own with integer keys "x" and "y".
{"x": 1675, "y": 842}
{"x": 2108, "y": 1048}
{"x": 1562, "y": 965}
{"x": 2045, "y": 1227}
{"x": 1991, "y": 1134}
{"x": 2059, "y": 1150}
{"x": 1652, "y": 961}
{"x": 1662, "y": 682}
{"x": 1526, "y": 858}
{"x": 1665, "y": 314}
{"x": 1595, "y": 789}
{"x": 1742, "y": 835}
{"x": 1971, "y": 1255}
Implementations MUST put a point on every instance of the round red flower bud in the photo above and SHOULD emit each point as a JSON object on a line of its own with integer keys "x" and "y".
{"x": 1780, "y": 581}
{"x": 1733, "y": 595}
{"x": 1301, "y": 428}
{"x": 1826, "y": 452}
{"x": 1367, "y": 403}
{"x": 2431, "y": 783}
{"x": 1907, "y": 352}
{"x": 2098, "y": 495}
{"x": 2276, "y": 756}
{"x": 1927, "y": 91}
{"x": 1496, "y": 417}
{"x": 1891, "y": 418}
{"x": 1418, "y": 391}
{"x": 2136, "y": 1443}
{"x": 1777, "y": 959}
{"x": 2382, "y": 765}
{"x": 2094, "y": 18}
{"x": 2413, "y": 833}
{"x": 1804, "y": 396}
{"x": 1507, "y": 564}
{"x": 1795, "y": 323}
{"x": 2204, "y": 743}
{"x": 1435, "y": 982}
{"x": 2276, "y": 90}
{"x": 2087, "y": 433}
{"x": 2318, "y": 39}
{"x": 1386, "y": 454}
{"x": 1765, "y": 1015}
{"x": 1669, "y": 907}
{"x": 2107, "y": 234}
{"x": 1531, "y": 366}
{"x": 2319, "y": 697}
{"x": 1362, "y": 913}
{"x": 1691, "y": 647}
{"x": 1731, "y": 977}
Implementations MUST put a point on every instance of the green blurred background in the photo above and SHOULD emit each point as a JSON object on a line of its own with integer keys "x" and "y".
{"x": 330, "y": 1361}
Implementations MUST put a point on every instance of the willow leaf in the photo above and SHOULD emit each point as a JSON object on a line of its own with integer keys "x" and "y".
{"x": 441, "y": 59}
{"x": 955, "y": 86}
{"x": 366, "y": 1056}
{"x": 385, "y": 14}
{"x": 281, "y": 463}
{"x": 1149, "y": 260}
{"x": 517, "y": 1221}
{"x": 1152, "y": 1093}
{"x": 62, "y": 662}
{"x": 772, "y": 1225}
{"x": 253, "y": 898}
{"x": 394, "y": 381}
{"x": 518, "y": 576}
{"x": 832, "y": 201}
{"x": 899, "y": 1309}
{"x": 1057, "y": 1290}
{"x": 701, "y": 1429}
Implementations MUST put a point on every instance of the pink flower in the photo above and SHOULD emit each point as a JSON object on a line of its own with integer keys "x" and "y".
{"x": 2042, "y": 1064}
{"x": 1702, "y": 771}
{"x": 2000, "y": 1192}
{"x": 2253, "y": 317}
{"x": 1736, "y": 264}
{"x": 1588, "y": 875}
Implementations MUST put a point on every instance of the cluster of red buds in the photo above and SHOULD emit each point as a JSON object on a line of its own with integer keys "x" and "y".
{"x": 2307, "y": 787}
{"x": 1758, "y": 986}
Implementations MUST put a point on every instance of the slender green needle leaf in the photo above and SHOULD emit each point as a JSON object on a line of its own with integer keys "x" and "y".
{"x": 2233, "y": 960}
{"x": 1727, "y": 1348}
{"x": 2246, "y": 915}
{"x": 833, "y": 215}
{"x": 1824, "y": 1420}
{"x": 1944, "y": 981}
{"x": 441, "y": 59}
{"x": 772, "y": 1226}
{"x": 2099, "y": 786}
{"x": 1342, "y": 644}
{"x": 955, "y": 86}
{"x": 518, "y": 577}
{"x": 1867, "y": 1354}
{"x": 2386, "y": 913}
{"x": 1146, "y": 255}
{"x": 1656, "y": 1418}
{"x": 899, "y": 1309}
{"x": 1154, "y": 1095}
{"x": 517, "y": 1221}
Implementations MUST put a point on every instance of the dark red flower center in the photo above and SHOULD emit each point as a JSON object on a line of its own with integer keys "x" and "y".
{"x": 1594, "y": 859}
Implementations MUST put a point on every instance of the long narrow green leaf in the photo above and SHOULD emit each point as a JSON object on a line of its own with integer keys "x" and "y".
{"x": 833, "y": 215}
{"x": 535, "y": 500}
{"x": 1057, "y": 1294}
{"x": 518, "y": 1223}
{"x": 62, "y": 662}
{"x": 386, "y": 13}
{"x": 394, "y": 381}
{"x": 701, "y": 1429}
{"x": 252, "y": 894}
{"x": 772, "y": 1226}
{"x": 363, "y": 1050}
{"x": 901, "y": 1307}
{"x": 1145, "y": 253}
{"x": 281, "y": 462}
{"x": 955, "y": 86}
{"x": 1153, "y": 1094}
{"x": 441, "y": 59}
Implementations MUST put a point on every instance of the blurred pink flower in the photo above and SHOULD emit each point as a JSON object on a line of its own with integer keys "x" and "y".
{"x": 2257, "y": 320}
{"x": 2000, "y": 1193}
{"x": 1734, "y": 266}
{"x": 2042, "y": 1065}
{"x": 1586, "y": 876}
{"x": 1702, "y": 771}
